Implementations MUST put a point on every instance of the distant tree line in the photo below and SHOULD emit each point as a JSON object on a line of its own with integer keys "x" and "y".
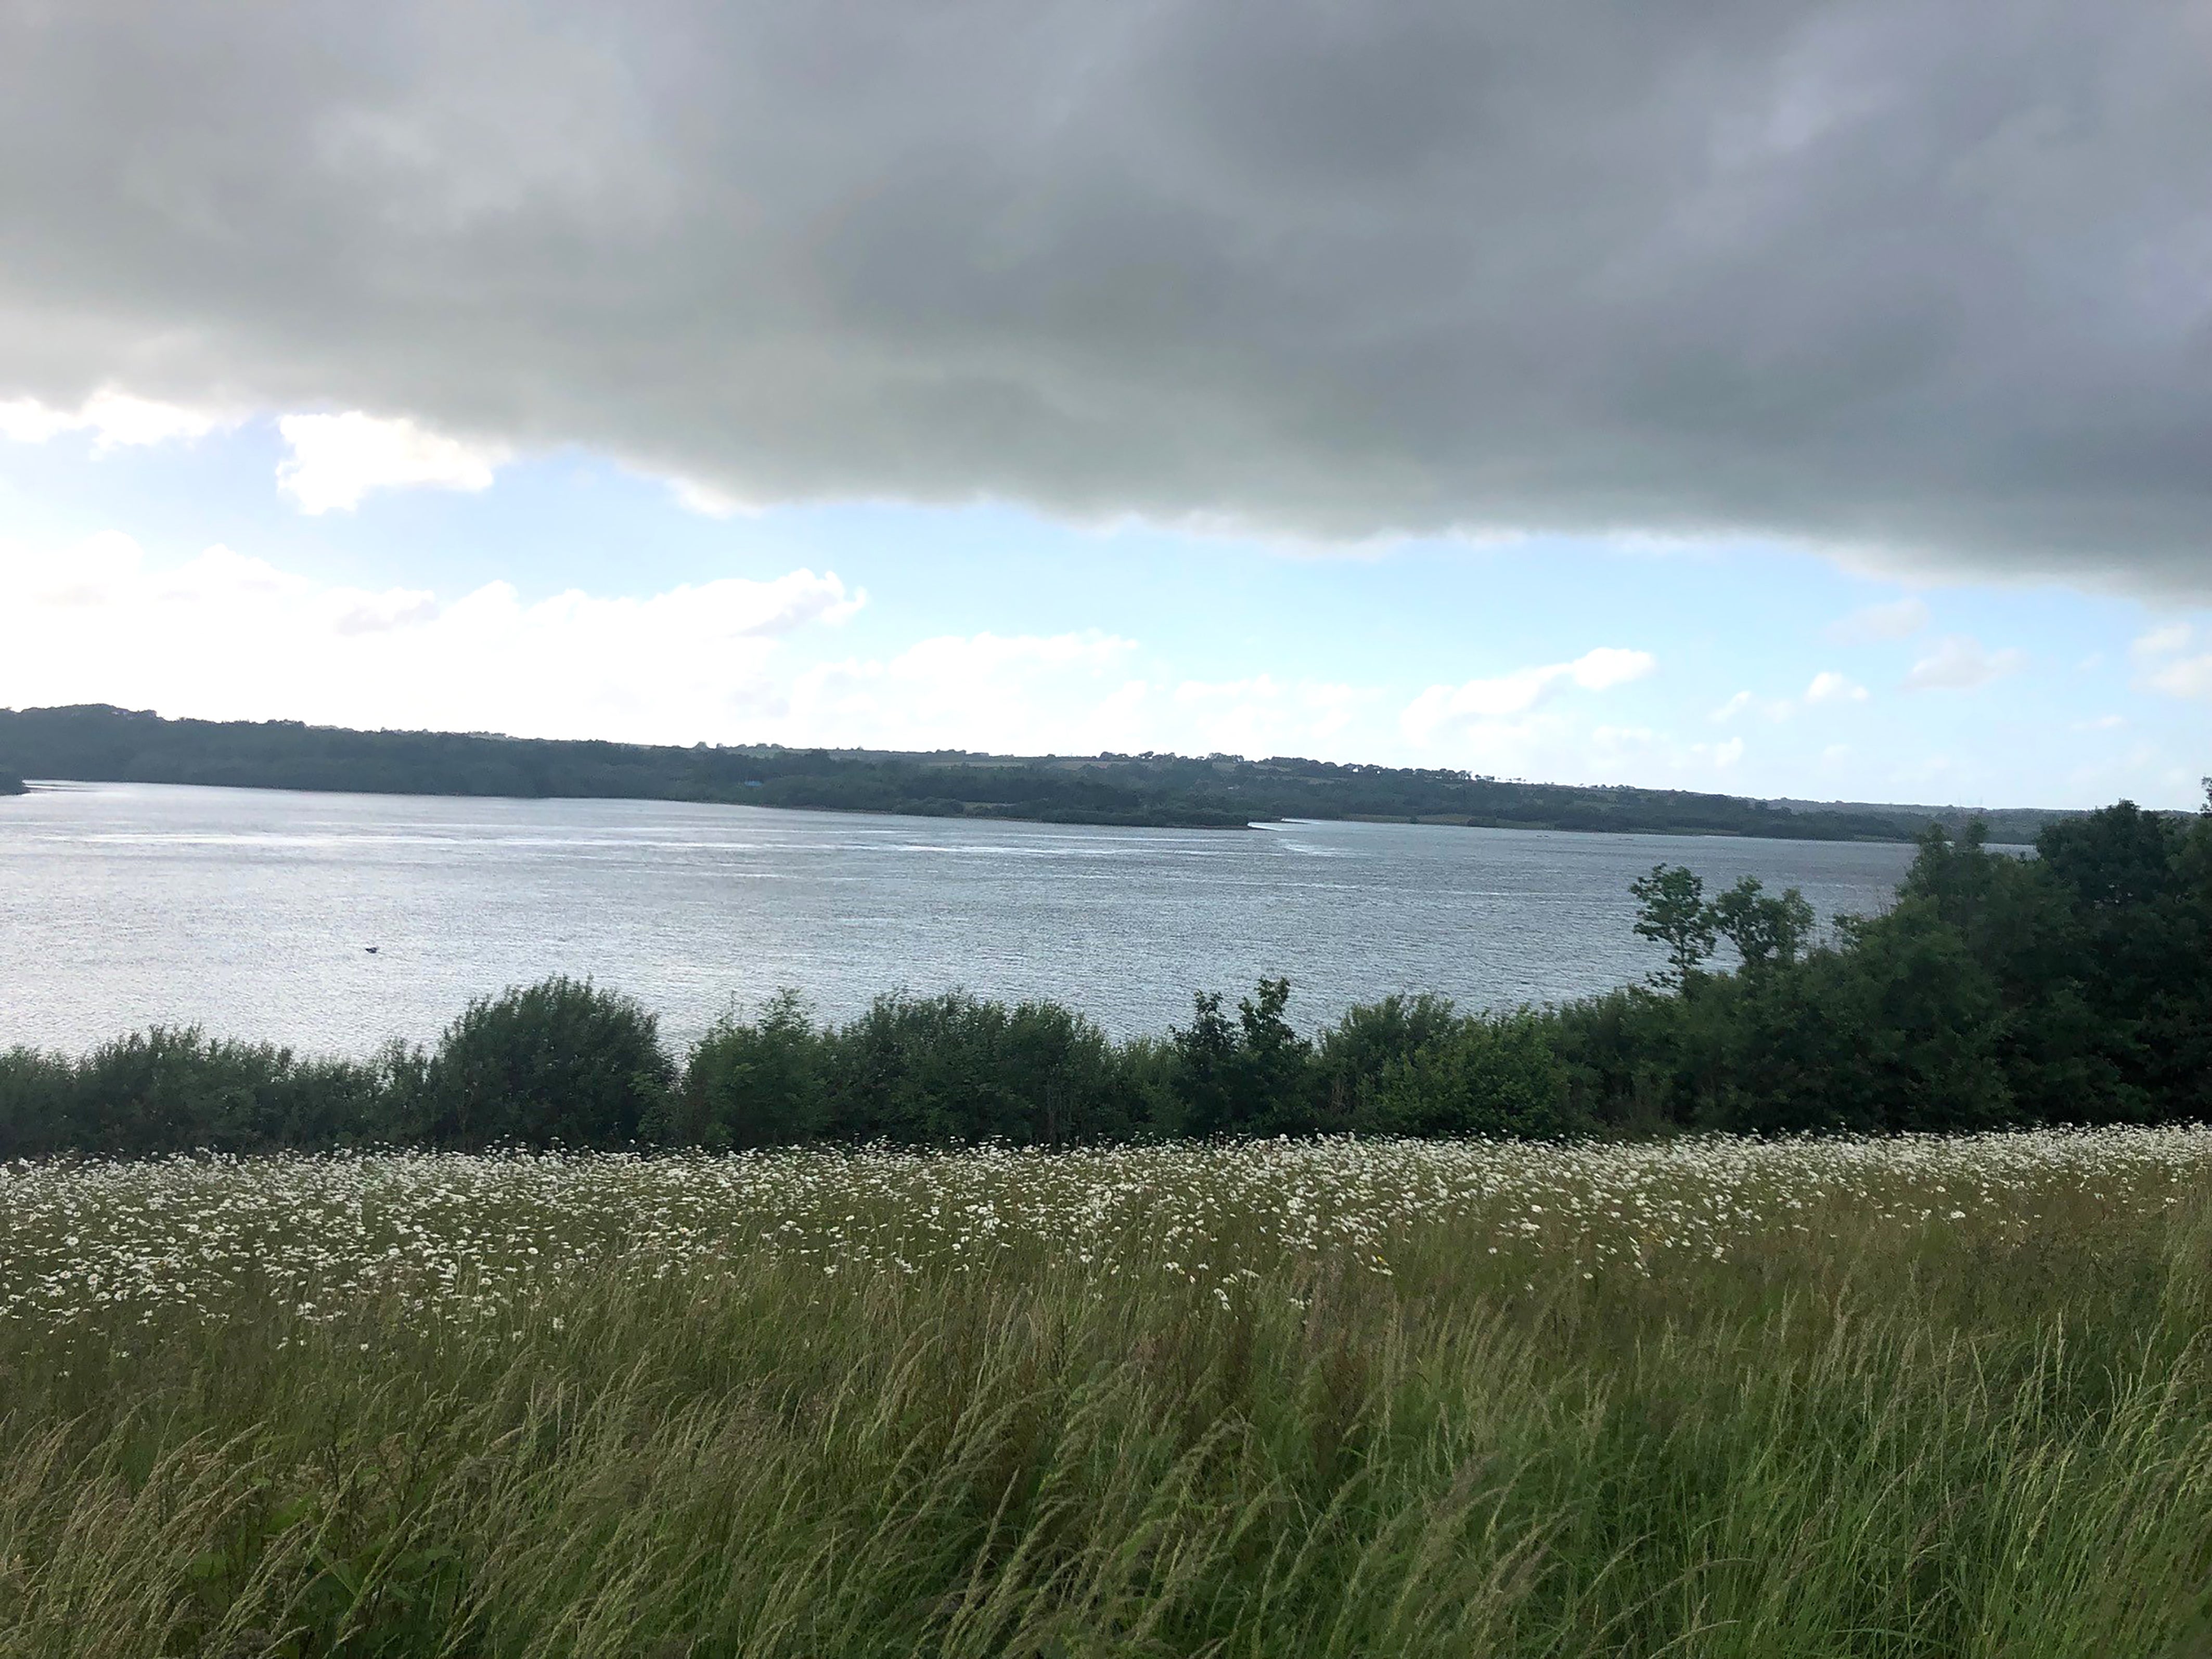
{"x": 2072, "y": 988}
{"x": 96, "y": 742}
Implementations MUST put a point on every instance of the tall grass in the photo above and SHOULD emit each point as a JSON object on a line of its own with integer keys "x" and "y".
{"x": 1337, "y": 1398}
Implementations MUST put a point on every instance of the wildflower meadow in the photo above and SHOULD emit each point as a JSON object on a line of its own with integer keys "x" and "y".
{"x": 1709, "y": 1396}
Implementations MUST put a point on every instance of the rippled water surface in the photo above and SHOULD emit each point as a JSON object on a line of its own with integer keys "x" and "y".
{"x": 250, "y": 911}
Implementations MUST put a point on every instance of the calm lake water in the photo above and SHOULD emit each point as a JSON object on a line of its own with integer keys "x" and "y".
{"x": 250, "y": 911}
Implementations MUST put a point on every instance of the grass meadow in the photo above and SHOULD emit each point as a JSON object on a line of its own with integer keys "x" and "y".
{"x": 1708, "y": 1397}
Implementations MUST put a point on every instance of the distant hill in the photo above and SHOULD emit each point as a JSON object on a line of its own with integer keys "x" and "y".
{"x": 96, "y": 742}
{"x": 2014, "y": 826}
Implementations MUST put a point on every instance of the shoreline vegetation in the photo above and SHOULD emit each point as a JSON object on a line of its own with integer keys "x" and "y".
{"x": 94, "y": 743}
{"x": 2074, "y": 988}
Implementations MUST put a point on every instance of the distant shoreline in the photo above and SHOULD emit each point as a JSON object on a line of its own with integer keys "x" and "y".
{"x": 97, "y": 744}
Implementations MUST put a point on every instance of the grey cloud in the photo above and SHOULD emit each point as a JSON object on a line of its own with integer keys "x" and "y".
{"x": 1930, "y": 283}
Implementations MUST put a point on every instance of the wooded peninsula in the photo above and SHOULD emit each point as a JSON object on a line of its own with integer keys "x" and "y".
{"x": 96, "y": 742}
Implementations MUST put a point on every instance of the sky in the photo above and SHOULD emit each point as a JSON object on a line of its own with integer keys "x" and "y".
{"x": 1800, "y": 400}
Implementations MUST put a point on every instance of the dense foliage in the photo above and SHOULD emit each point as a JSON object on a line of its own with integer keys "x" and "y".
{"x": 2072, "y": 988}
{"x": 96, "y": 742}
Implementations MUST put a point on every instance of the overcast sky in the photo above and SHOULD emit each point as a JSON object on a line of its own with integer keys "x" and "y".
{"x": 1787, "y": 399}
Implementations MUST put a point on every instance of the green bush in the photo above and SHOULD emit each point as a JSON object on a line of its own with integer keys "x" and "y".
{"x": 1353, "y": 1056}
{"x": 950, "y": 1068}
{"x": 1487, "y": 1074}
{"x": 762, "y": 1083}
{"x": 946, "y": 1069}
{"x": 1623, "y": 1054}
{"x": 1252, "y": 1076}
{"x": 36, "y": 1091}
{"x": 561, "y": 1063}
{"x": 172, "y": 1091}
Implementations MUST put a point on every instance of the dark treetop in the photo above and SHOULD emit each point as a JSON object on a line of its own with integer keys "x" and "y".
{"x": 96, "y": 742}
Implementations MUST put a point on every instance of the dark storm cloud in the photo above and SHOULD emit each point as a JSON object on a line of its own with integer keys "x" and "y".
{"x": 1927, "y": 280}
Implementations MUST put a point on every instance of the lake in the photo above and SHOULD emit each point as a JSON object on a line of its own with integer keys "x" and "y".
{"x": 250, "y": 912}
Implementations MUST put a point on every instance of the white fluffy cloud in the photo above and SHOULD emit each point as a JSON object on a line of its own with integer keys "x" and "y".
{"x": 1825, "y": 687}
{"x": 1828, "y": 686}
{"x": 1746, "y": 703}
{"x": 2184, "y": 676}
{"x": 1021, "y": 694}
{"x": 1444, "y": 708}
{"x": 1263, "y": 715}
{"x": 337, "y": 460}
{"x": 2169, "y": 665}
{"x": 2162, "y": 640}
{"x": 1960, "y": 664}
{"x": 226, "y": 635}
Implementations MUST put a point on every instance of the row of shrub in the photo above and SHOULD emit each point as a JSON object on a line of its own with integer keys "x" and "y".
{"x": 2076, "y": 986}
{"x": 565, "y": 1063}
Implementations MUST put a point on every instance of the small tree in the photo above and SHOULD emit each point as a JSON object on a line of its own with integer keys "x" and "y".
{"x": 1671, "y": 910}
{"x": 1955, "y": 875}
{"x": 1764, "y": 929}
{"x": 1252, "y": 1076}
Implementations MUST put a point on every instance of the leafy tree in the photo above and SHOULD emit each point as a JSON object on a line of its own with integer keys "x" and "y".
{"x": 1249, "y": 1078}
{"x": 1900, "y": 1029}
{"x": 2136, "y": 947}
{"x": 1764, "y": 928}
{"x": 1955, "y": 875}
{"x": 1671, "y": 910}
